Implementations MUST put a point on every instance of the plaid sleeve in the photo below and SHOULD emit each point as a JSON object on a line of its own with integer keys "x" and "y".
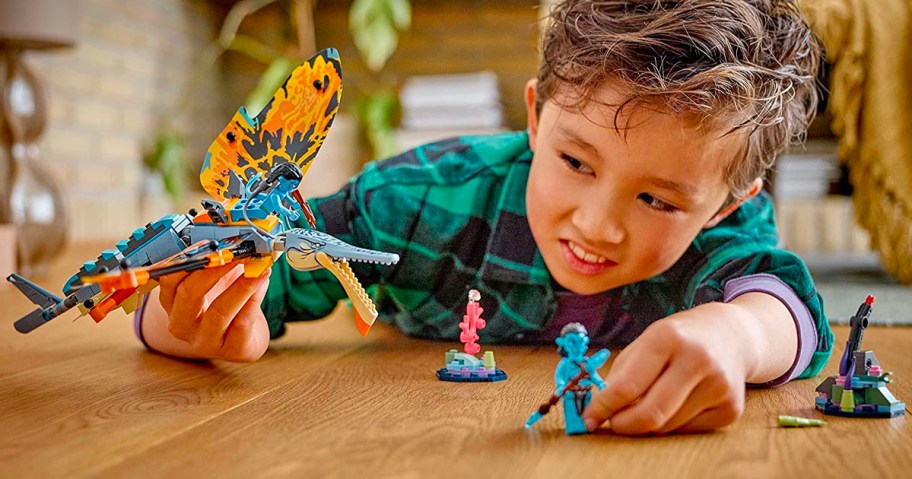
{"x": 745, "y": 245}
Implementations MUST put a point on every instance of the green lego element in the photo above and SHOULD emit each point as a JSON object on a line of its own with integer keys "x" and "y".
{"x": 847, "y": 403}
{"x": 792, "y": 421}
{"x": 450, "y": 356}
{"x": 837, "y": 391}
{"x": 880, "y": 396}
{"x": 489, "y": 362}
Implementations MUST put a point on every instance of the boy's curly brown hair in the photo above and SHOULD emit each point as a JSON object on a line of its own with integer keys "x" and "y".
{"x": 751, "y": 63}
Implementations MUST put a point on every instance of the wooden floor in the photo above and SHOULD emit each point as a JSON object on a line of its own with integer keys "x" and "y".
{"x": 84, "y": 400}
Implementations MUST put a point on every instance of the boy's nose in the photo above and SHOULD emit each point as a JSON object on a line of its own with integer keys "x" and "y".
{"x": 599, "y": 224}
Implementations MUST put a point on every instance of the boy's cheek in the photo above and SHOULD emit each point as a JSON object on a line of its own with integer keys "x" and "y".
{"x": 660, "y": 256}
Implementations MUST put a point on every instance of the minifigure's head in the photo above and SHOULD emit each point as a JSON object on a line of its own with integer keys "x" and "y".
{"x": 288, "y": 176}
{"x": 573, "y": 341}
{"x": 651, "y": 120}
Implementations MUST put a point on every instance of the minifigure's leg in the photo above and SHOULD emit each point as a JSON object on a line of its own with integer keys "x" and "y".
{"x": 573, "y": 420}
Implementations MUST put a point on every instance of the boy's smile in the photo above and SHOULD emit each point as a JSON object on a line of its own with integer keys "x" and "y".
{"x": 607, "y": 207}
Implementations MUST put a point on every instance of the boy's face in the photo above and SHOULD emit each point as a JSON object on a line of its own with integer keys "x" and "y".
{"x": 609, "y": 208}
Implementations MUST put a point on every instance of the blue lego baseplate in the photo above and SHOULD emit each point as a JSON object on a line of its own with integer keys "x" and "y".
{"x": 445, "y": 374}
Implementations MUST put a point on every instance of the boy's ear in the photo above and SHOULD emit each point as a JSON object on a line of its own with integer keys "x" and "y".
{"x": 531, "y": 114}
{"x": 754, "y": 190}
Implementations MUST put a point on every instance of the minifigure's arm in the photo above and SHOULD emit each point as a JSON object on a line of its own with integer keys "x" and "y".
{"x": 593, "y": 363}
{"x": 292, "y": 213}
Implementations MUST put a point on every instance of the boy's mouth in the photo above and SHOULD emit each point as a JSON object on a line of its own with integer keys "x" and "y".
{"x": 583, "y": 261}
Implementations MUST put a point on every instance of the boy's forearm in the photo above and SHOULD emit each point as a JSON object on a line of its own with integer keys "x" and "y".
{"x": 770, "y": 339}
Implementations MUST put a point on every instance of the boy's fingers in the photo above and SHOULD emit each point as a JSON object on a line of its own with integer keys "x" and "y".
{"x": 716, "y": 402}
{"x": 661, "y": 403}
{"x": 634, "y": 371}
{"x": 167, "y": 286}
{"x": 190, "y": 298}
{"x": 248, "y": 335}
{"x": 712, "y": 419}
{"x": 702, "y": 399}
{"x": 222, "y": 311}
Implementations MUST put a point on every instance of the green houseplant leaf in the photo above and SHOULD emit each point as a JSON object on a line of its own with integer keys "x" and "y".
{"x": 167, "y": 158}
{"x": 375, "y": 27}
{"x": 270, "y": 81}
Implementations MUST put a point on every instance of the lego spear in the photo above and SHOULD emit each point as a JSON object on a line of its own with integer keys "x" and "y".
{"x": 546, "y": 407}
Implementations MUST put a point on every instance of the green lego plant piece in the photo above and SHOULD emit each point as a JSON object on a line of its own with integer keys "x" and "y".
{"x": 489, "y": 360}
{"x": 792, "y": 421}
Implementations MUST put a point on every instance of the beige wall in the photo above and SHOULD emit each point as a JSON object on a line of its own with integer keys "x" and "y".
{"x": 108, "y": 95}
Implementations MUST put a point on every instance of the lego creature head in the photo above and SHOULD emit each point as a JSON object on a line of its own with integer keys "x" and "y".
{"x": 573, "y": 341}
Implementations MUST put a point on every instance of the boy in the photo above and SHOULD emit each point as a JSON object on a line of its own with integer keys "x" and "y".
{"x": 631, "y": 205}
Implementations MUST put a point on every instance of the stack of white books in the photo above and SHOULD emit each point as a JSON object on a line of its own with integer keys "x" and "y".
{"x": 440, "y": 106}
{"x": 806, "y": 172}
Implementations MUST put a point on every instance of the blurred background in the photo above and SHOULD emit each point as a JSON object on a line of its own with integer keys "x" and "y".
{"x": 109, "y": 120}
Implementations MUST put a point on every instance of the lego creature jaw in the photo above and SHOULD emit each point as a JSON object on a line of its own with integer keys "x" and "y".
{"x": 302, "y": 260}
{"x": 309, "y": 241}
{"x": 309, "y": 249}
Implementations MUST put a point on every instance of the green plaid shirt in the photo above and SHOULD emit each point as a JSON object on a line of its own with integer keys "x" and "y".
{"x": 455, "y": 213}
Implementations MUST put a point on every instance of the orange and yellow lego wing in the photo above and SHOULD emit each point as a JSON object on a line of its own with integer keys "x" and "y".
{"x": 290, "y": 128}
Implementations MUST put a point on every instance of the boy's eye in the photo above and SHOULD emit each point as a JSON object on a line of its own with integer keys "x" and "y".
{"x": 575, "y": 165}
{"x": 657, "y": 204}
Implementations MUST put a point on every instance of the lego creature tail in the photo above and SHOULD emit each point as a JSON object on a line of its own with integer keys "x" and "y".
{"x": 36, "y": 294}
{"x": 50, "y": 306}
{"x": 366, "y": 312}
{"x": 30, "y": 322}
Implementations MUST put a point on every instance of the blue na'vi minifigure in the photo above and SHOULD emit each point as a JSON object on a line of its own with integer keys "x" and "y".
{"x": 574, "y": 377}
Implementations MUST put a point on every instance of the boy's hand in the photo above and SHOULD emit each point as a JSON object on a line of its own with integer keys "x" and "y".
{"x": 685, "y": 373}
{"x": 217, "y": 312}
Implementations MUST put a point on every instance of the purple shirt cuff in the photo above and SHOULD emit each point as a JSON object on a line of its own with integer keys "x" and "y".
{"x": 137, "y": 321}
{"x": 807, "y": 330}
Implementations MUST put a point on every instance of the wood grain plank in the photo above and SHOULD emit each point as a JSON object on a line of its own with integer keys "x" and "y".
{"x": 379, "y": 409}
{"x": 78, "y": 416}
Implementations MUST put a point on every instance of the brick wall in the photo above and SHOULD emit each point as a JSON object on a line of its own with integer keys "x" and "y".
{"x": 107, "y": 96}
